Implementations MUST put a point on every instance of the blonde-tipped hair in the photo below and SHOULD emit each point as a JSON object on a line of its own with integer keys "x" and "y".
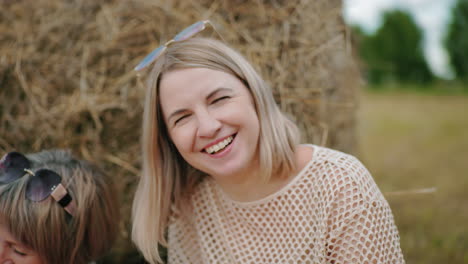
{"x": 47, "y": 228}
{"x": 167, "y": 179}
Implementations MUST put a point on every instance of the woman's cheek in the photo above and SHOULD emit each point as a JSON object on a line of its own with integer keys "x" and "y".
{"x": 183, "y": 135}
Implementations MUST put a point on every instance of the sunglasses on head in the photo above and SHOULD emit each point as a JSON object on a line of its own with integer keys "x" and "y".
{"x": 41, "y": 185}
{"x": 181, "y": 36}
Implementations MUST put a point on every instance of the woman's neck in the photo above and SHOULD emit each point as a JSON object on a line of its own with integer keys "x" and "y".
{"x": 250, "y": 186}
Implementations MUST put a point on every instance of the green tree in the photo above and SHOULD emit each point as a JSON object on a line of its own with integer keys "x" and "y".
{"x": 456, "y": 41}
{"x": 394, "y": 52}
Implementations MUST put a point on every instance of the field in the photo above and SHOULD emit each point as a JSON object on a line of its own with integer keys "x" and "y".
{"x": 416, "y": 147}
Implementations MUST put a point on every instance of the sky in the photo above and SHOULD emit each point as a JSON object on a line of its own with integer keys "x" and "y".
{"x": 431, "y": 15}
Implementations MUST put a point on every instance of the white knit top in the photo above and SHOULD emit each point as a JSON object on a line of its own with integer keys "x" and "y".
{"x": 331, "y": 212}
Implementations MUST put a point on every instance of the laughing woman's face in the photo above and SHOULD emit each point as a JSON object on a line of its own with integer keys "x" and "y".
{"x": 211, "y": 119}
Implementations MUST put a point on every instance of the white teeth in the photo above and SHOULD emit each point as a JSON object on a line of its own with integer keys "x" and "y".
{"x": 221, "y": 145}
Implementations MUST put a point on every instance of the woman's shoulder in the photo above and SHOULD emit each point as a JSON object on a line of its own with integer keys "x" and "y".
{"x": 304, "y": 154}
{"x": 335, "y": 169}
{"x": 309, "y": 153}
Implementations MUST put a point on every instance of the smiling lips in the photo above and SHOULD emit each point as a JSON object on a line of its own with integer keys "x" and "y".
{"x": 219, "y": 146}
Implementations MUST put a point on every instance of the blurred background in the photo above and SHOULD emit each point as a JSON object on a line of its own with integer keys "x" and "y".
{"x": 385, "y": 80}
{"x": 413, "y": 118}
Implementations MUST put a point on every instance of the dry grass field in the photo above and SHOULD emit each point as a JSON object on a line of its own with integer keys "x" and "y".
{"x": 416, "y": 147}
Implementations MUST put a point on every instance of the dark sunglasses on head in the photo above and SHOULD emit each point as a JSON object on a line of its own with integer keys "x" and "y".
{"x": 41, "y": 185}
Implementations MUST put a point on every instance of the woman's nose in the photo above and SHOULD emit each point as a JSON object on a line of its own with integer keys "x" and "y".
{"x": 208, "y": 125}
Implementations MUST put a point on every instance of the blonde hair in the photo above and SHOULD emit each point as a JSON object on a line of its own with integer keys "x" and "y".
{"x": 167, "y": 178}
{"x": 47, "y": 228}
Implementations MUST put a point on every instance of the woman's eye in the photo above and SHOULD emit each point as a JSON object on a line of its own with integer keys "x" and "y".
{"x": 21, "y": 253}
{"x": 180, "y": 119}
{"x": 220, "y": 99}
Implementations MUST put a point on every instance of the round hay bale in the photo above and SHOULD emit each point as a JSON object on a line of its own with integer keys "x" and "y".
{"x": 67, "y": 80}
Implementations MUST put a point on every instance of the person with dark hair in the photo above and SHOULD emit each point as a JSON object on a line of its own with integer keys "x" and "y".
{"x": 54, "y": 209}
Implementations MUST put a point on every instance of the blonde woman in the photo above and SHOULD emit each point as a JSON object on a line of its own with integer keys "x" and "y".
{"x": 54, "y": 209}
{"x": 225, "y": 179}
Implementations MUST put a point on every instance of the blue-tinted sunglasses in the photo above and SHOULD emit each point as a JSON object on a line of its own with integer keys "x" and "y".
{"x": 43, "y": 184}
{"x": 183, "y": 35}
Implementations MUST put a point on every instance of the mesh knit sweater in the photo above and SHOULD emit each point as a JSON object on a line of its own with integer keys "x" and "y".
{"x": 331, "y": 212}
